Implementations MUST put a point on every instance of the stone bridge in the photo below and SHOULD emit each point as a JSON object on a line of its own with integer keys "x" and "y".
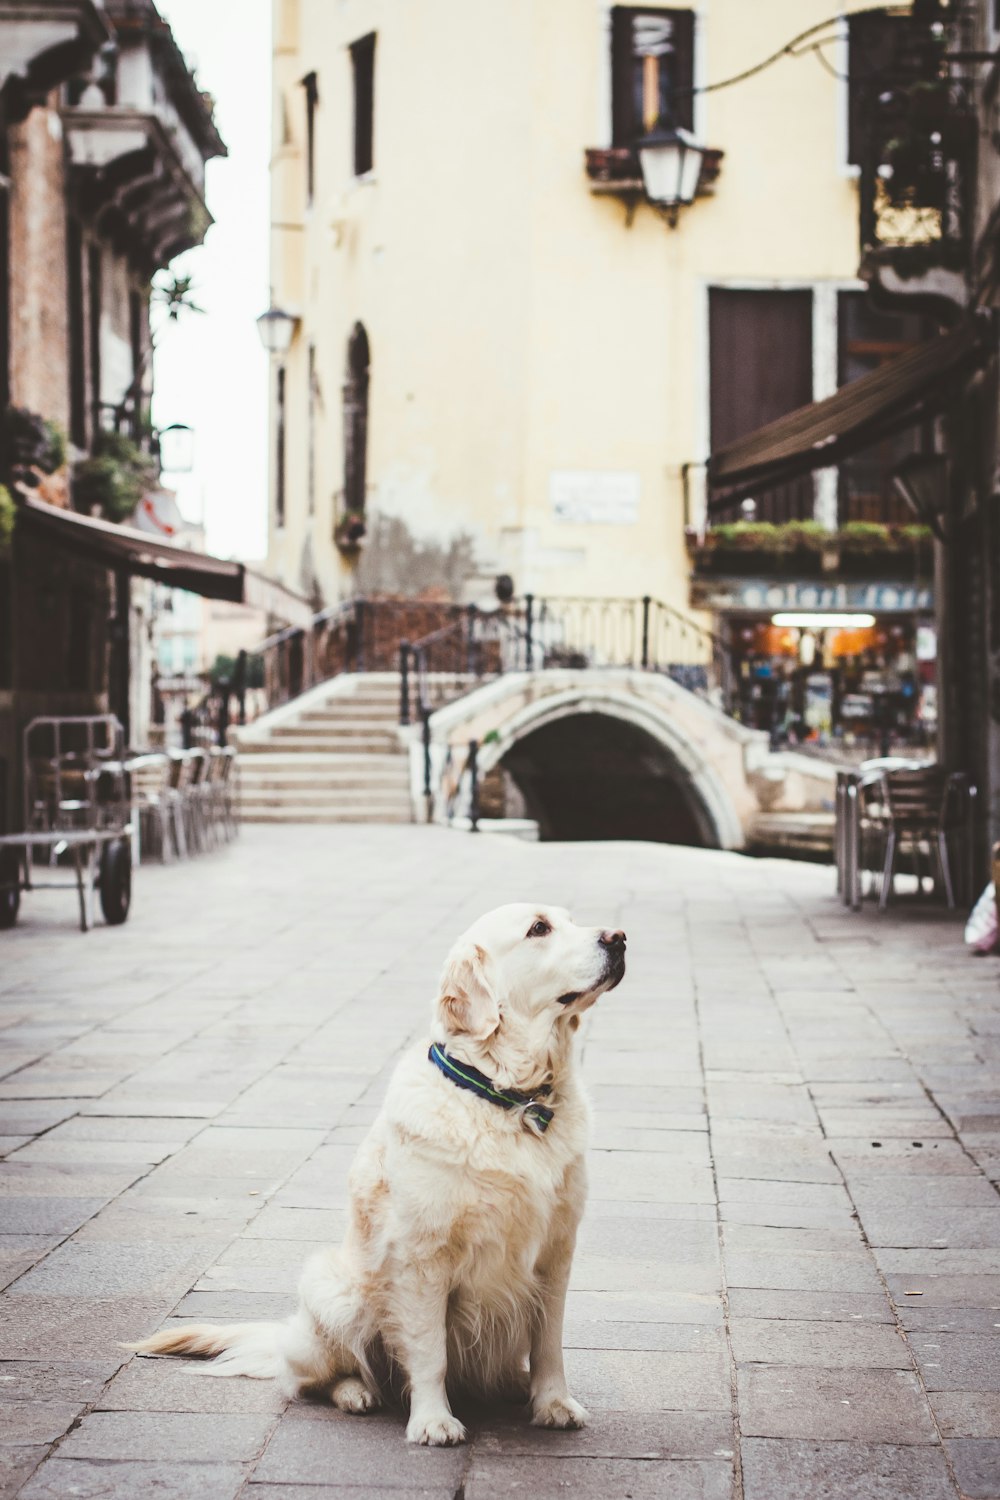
{"x": 614, "y": 752}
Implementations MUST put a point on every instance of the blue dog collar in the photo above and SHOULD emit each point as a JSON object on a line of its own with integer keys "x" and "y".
{"x": 536, "y": 1116}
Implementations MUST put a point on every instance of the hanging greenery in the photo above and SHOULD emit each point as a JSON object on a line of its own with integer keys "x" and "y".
{"x": 8, "y": 518}
{"x": 115, "y": 477}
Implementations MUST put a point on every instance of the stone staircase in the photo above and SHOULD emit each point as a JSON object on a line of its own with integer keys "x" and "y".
{"x": 334, "y": 756}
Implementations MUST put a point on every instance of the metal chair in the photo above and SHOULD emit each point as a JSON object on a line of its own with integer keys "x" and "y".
{"x": 919, "y": 807}
{"x": 151, "y": 785}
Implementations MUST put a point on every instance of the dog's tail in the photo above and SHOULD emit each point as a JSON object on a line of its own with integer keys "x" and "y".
{"x": 258, "y": 1350}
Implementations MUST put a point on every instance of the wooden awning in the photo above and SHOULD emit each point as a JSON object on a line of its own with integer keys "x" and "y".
{"x": 900, "y": 394}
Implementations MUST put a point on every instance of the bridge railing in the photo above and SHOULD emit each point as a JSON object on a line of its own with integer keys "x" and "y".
{"x": 442, "y": 649}
{"x": 536, "y": 634}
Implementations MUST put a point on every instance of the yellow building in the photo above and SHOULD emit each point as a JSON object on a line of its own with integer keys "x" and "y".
{"x": 503, "y": 354}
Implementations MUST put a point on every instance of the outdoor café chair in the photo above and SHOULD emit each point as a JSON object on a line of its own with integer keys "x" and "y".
{"x": 922, "y": 808}
{"x": 150, "y": 776}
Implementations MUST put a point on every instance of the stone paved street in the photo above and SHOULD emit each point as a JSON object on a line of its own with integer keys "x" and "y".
{"x": 788, "y": 1281}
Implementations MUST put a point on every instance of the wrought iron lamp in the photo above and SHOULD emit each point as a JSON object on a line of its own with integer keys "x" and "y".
{"x": 277, "y": 329}
{"x": 670, "y": 160}
{"x": 176, "y": 448}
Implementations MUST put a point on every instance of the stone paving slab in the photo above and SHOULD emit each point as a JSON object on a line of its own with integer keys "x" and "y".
{"x": 792, "y": 1192}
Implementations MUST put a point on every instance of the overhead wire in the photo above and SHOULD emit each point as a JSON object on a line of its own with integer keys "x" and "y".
{"x": 795, "y": 47}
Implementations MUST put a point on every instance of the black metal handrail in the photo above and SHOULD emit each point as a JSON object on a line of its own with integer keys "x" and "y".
{"x": 576, "y": 632}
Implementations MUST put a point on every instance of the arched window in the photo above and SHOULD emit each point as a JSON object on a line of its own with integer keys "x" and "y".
{"x": 356, "y": 419}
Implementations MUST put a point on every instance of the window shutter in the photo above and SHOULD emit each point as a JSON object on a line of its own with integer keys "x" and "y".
{"x": 622, "y": 127}
{"x": 683, "y": 68}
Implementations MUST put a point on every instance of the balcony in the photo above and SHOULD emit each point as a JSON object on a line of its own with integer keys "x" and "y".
{"x": 43, "y": 45}
{"x": 129, "y": 168}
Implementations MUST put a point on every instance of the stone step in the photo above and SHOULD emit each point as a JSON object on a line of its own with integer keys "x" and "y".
{"x": 311, "y": 744}
{"x": 299, "y": 813}
{"x": 395, "y": 798}
{"x": 350, "y": 713}
{"x": 349, "y": 727}
{"x": 303, "y": 762}
{"x": 395, "y": 774}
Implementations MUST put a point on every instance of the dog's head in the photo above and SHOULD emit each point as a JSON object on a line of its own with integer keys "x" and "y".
{"x": 524, "y": 969}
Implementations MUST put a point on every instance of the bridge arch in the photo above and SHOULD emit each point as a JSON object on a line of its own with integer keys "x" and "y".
{"x": 703, "y": 750}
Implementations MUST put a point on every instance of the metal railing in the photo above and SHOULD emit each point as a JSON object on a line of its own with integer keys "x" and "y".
{"x": 538, "y": 634}
{"x": 466, "y": 645}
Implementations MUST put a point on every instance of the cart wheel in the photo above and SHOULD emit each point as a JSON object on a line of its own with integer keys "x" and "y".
{"x": 10, "y": 886}
{"x": 115, "y": 881}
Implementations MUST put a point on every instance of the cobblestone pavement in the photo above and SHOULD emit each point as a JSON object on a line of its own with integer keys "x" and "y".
{"x": 788, "y": 1280}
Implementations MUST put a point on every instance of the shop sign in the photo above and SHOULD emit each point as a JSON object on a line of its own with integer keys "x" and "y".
{"x": 870, "y": 598}
{"x": 587, "y": 497}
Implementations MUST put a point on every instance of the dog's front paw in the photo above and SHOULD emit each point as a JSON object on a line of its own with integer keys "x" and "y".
{"x": 444, "y": 1431}
{"x": 561, "y": 1411}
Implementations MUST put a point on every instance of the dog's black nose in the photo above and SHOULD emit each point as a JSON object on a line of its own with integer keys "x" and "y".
{"x": 612, "y": 939}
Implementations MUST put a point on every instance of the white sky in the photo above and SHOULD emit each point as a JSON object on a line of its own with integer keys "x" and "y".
{"x": 210, "y": 371}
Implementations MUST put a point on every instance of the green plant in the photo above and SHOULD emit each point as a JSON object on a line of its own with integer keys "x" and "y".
{"x": 114, "y": 478}
{"x": 865, "y": 536}
{"x": 804, "y": 536}
{"x": 224, "y": 668}
{"x": 28, "y": 441}
{"x": 751, "y": 536}
{"x": 8, "y": 518}
{"x": 765, "y": 536}
{"x": 916, "y": 535}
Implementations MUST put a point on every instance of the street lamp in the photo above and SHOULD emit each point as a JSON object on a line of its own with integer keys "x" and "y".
{"x": 670, "y": 161}
{"x": 276, "y": 329}
{"x": 177, "y": 448}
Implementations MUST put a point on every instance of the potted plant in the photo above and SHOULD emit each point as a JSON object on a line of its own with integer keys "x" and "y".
{"x": 113, "y": 480}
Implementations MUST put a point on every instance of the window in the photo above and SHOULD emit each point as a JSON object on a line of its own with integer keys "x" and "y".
{"x": 94, "y": 308}
{"x": 311, "y": 433}
{"x": 877, "y": 47}
{"x": 356, "y": 420}
{"x": 363, "y": 67}
{"x": 279, "y": 453}
{"x": 312, "y": 99}
{"x": 866, "y": 339}
{"x": 652, "y": 70}
{"x": 77, "y": 335}
{"x": 761, "y": 367}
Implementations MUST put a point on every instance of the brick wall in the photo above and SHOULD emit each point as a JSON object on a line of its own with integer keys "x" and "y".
{"x": 39, "y": 353}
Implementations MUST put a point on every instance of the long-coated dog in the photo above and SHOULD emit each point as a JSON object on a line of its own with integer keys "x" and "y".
{"x": 465, "y": 1199}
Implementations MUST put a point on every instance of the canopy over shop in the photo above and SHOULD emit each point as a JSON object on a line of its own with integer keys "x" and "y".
{"x": 846, "y": 658}
{"x": 127, "y": 553}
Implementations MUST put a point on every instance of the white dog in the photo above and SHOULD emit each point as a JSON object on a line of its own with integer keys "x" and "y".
{"x": 464, "y": 1200}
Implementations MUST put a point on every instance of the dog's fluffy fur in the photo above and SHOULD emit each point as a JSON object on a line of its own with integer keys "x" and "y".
{"x": 463, "y": 1219}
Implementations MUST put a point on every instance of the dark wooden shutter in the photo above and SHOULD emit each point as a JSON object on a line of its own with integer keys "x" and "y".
{"x": 622, "y": 122}
{"x": 626, "y": 124}
{"x": 876, "y": 45}
{"x": 683, "y": 100}
{"x": 760, "y": 351}
{"x": 363, "y": 59}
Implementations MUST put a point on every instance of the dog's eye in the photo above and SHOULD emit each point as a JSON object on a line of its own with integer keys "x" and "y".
{"x": 541, "y": 928}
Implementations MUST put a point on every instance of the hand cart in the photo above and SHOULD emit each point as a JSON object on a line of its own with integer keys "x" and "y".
{"x": 102, "y": 858}
{"x": 77, "y": 801}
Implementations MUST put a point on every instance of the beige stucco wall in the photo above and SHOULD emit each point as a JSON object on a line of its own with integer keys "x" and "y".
{"x": 517, "y": 326}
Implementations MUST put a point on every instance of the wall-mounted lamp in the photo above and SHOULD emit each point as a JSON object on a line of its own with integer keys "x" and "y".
{"x": 277, "y": 329}
{"x": 176, "y": 448}
{"x": 670, "y": 160}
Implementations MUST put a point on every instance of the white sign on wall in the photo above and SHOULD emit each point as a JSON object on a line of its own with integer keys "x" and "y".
{"x": 591, "y": 497}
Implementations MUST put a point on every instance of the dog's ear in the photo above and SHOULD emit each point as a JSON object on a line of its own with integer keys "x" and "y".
{"x": 468, "y": 1003}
